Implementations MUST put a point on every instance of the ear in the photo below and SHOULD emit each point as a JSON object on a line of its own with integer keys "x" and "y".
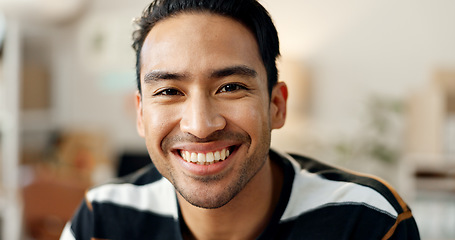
{"x": 139, "y": 120}
{"x": 278, "y": 100}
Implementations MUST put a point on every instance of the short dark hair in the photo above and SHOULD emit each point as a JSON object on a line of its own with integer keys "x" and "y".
{"x": 248, "y": 12}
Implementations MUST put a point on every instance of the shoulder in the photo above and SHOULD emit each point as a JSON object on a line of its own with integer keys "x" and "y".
{"x": 350, "y": 186}
{"x": 324, "y": 195}
{"x": 144, "y": 200}
{"x": 145, "y": 190}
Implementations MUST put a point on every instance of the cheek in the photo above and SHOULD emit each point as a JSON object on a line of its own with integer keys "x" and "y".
{"x": 250, "y": 116}
{"x": 158, "y": 123}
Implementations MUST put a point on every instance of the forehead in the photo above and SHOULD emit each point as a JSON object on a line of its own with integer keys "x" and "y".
{"x": 197, "y": 42}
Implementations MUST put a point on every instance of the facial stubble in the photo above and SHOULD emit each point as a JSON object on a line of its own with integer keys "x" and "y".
{"x": 204, "y": 197}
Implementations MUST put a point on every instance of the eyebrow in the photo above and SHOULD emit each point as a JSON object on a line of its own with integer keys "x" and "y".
{"x": 157, "y": 75}
{"x": 240, "y": 70}
{"x": 234, "y": 70}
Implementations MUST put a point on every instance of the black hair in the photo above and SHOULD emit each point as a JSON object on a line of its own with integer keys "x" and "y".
{"x": 248, "y": 12}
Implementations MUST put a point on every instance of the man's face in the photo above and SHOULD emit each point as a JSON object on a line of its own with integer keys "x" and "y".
{"x": 204, "y": 111}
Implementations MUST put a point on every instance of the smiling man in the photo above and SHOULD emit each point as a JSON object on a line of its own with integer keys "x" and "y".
{"x": 208, "y": 99}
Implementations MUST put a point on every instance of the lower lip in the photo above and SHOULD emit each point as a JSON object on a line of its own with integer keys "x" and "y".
{"x": 206, "y": 170}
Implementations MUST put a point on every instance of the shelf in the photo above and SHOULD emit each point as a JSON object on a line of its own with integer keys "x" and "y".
{"x": 435, "y": 176}
{"x": 436, "y": 184}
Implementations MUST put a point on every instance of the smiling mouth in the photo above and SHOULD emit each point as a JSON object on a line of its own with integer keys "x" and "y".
{"x": 207, "y": 158}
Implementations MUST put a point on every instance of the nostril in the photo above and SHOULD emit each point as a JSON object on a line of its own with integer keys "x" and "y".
{"x": 203, "y": 127}
{"x": 201, "y": 117}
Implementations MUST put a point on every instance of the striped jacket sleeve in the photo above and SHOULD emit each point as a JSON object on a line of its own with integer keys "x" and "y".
{"x": 81, "y": 226}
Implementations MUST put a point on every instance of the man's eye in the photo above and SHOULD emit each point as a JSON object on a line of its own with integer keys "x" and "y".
{"x": 231, "y": 87}
{"x": 168, "y": 92}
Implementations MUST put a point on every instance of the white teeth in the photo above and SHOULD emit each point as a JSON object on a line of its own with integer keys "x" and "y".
{"x": 223, "y": 154}
{"x": 217, "y": 156}
{"x": 205, "y": 159}
{"x": 193, "y": 157}
{"x": 187, "y": 155}
{"x": 201, "y": 157}
{"x": 209, "y": 157}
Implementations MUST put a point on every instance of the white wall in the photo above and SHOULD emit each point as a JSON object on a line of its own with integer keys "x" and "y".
{"x": 95, "y": 84}
{"x": 356, "y": 48}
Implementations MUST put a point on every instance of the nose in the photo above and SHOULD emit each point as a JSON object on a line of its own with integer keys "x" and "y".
{"x": 201, "y": 117}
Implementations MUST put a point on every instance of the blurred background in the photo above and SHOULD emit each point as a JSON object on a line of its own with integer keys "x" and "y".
{"x": 372, "y": 88}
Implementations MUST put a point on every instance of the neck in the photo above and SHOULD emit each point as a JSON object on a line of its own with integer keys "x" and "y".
{"x": 244, "y": 217}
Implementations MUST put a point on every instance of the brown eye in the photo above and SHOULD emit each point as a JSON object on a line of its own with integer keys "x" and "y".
{"x": 231, "y": 87}
{"x": 169, "y": 92}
